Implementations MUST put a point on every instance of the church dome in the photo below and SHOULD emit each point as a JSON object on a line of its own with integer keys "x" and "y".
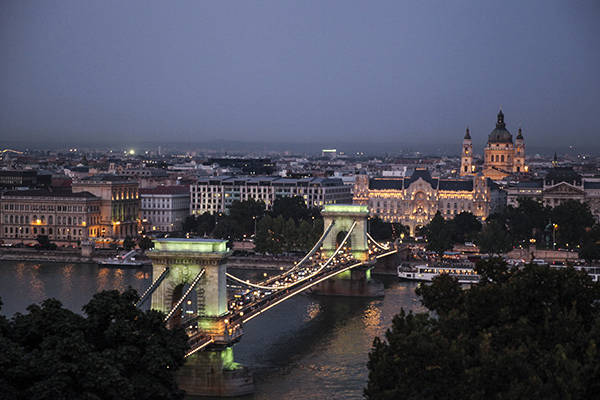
{"x": 500, "y": 134}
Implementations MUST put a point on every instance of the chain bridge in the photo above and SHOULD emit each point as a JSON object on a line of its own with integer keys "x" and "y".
{"x": 190, "y": 285}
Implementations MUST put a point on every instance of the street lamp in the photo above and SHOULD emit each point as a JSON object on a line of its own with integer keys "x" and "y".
{"x": 554, "y": 228}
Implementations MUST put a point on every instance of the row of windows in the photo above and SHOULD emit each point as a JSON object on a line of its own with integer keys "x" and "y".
{"x": 43, "y": 207}
{"x": 60, "y": 220}
{"x": 18, "y": 231}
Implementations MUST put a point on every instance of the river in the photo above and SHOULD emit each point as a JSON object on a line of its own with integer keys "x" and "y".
{"x": 305, "y": 348}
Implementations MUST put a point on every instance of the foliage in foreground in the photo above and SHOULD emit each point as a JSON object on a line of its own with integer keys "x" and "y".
{"x": 115, "y": 352}
{"x": 530, "y": 333}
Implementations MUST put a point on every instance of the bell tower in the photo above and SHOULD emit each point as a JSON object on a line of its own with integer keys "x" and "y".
{"x": 466, "y": 161}
{"x": 519, "y": 158}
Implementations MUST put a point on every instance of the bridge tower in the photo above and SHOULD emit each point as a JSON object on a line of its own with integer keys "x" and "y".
{"x": 355, "y": 282}
{"x": 211, "y": 372}
{"x": 343, "y": 216}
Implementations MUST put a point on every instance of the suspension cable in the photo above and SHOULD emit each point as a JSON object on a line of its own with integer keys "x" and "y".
{"x": 152, "y": 287}
{"x": 186, "y": 294}
{"x": 377, "y": 244}
{"x": 322, "y": 266}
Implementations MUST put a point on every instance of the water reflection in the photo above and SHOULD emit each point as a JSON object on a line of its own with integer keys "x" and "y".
{"x": 312, "y": 311}
{"x": 118, "y": 280}
{"x": 36, "y": 285}
{"x": 24, "y": 283}
{"x": 102, "y": 279}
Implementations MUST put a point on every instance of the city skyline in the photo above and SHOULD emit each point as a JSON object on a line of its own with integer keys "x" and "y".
{"x": 337, "y": 73}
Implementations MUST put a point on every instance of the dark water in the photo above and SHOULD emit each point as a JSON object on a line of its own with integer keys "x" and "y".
{"x": 308, "y": 347}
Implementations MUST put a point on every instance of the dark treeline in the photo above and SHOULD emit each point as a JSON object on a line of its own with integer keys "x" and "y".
{"x": 570, "y": 225}
{"x": 113, "y": 351}
{"x": 520, "y": 333}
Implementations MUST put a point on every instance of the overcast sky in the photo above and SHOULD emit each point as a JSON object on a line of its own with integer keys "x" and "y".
{"x": 401, "y": 71}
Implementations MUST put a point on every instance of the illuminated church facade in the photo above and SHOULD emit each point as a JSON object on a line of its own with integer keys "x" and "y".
{"x": 502, "y": 155}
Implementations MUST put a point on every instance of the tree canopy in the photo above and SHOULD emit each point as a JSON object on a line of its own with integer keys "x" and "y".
{"x": 114, "y": 351}
{"x": 439, "y": 236}
{"x": 520, "y": 333}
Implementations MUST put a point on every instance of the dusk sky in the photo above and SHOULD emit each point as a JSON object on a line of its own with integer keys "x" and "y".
{"x": 328, "y": 72}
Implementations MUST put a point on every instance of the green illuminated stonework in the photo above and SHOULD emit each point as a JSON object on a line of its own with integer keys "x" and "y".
{"x": 186, "y": 258}
{"x": 346, "y": 208}
{"x": 343, "y": 216}
{"x": 192, "y": 245}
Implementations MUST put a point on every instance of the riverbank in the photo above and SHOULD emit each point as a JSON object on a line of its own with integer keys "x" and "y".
{"x": 57, "y": 256}
{"x": 74, "y": 256}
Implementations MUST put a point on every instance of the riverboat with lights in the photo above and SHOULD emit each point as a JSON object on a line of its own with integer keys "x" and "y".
{"x": 463, "y": 273}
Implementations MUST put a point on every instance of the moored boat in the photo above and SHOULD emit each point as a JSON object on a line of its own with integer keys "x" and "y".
{"x": 426, "y": 273}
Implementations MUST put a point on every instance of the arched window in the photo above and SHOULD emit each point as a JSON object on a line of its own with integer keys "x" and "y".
{"x": 69, "y": 223}
{"x": 502, "y": 158}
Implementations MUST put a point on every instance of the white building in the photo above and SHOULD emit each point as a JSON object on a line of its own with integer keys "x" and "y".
{"x": 215, "y": 194}
{"x": 164, "y": 208}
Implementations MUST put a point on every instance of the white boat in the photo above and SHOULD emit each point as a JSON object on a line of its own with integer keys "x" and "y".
{"x": 127, "y": 260}
{"x": 463, "y": 273}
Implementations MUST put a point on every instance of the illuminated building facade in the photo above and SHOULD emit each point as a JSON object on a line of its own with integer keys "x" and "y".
{"x": 559, "y": 185}
{"x": 502, "y": 156}
{"x": 164, "y": 208}
{"x": 215, "y": 194}
{"x": 414, "y": 200}
{"x": 65, "y": 217}
{"x": 120, "y": 207}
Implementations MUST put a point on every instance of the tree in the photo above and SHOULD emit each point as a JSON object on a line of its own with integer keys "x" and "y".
{"x": 128, "y": 243}
{"x": 465, "y": 226}
{"x": 590, "y": 249}
{"x": 439, "y": 238}
{"x": 572, "y": 219}
{"x": 145, "y": 243}
{"x": 304, "y": 236}
{"x": 44, "y": 243}
{"x": 289, "y": 235}
{"x": 494, "y": 239}
{"x": 245, "y": 213}
{"x": 291, "y": 207}
{"x": 520, "y": 333}
{"x": 202, "y": 225}
{"x": 115, "y": 351}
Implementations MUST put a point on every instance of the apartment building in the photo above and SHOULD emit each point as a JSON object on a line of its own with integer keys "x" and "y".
{"x": 164, "y": 208}
{"x": 215, "y": 194}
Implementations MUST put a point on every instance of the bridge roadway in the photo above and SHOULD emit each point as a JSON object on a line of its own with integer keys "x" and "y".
{"x": 235, "y": 319}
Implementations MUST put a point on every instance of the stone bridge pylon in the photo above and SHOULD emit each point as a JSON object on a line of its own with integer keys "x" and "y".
{"x": 211, "y": 372}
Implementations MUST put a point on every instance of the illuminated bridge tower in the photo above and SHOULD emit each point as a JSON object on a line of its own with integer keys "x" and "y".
{"x": 179, "y": 263}
{"x": 355, "y": 282}
{"x": 343, "y": 216}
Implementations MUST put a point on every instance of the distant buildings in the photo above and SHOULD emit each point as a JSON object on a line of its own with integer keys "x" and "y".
{"x": 502, "y": 157}
{"x": 11, "y": 179}
{"x": 559, "y": 185}
{"x": 120, "y": 205}
{"x": 414, "y": 200}
{"x": 214, "y": 195}
{"x": 164, "y": 208}
{"x": 65, "y": 217}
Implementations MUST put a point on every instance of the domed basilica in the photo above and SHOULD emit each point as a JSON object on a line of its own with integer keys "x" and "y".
{"x": 502, "y": 157}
